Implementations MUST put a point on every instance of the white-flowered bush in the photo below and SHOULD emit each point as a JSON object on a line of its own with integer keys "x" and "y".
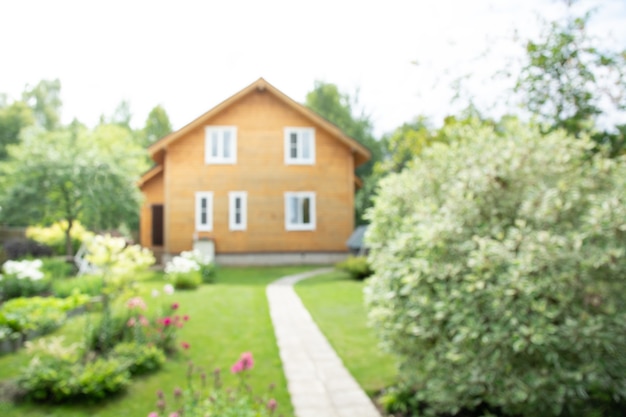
{"x": 204, "y": 261}
{"x": 181, "y": 265}
{"x": 114, "y": 256}
{"x": 499, "y": 274}
{"x": 22, "y": 279}
{"x": 24, "y": 269}
{"x": 189, "y": 269}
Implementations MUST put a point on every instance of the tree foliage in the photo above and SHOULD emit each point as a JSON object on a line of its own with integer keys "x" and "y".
{"x": 13, "y": 118}
{"x": 338, "y": 108}
{"x": 44, "y": 99}
{"x": 71, "y": 174}
{"x": 157, "y": 125}
{"x": 499, "y": 273}
{"x": 570, "y": 79}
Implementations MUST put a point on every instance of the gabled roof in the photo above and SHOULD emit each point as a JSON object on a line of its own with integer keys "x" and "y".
{"x": 361, "y": 153}
{"x": 151, "y": 173}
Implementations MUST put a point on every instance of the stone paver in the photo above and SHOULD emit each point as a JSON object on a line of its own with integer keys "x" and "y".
{"x": 319, "y": 384}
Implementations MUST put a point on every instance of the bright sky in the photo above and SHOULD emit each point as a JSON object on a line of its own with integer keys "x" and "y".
{"x": 188, "y": 56}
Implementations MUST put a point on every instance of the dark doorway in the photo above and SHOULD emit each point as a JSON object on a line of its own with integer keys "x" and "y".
{"x": 157, "y": 225}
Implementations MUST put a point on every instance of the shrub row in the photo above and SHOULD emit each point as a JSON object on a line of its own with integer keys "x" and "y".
{"x": 35, "y": 315}
{"x": 60, "y": 378}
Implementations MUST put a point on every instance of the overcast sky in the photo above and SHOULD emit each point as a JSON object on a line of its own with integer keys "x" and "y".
{"x": 188, "y": 56}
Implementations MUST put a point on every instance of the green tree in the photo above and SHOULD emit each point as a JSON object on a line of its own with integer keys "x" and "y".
{"x": 339, "y": 109}
{"x": 122, "y": 115}
{"x": 45, "y": 100}
{"x": 13, "y": 118}
{"x": 499, "y": 262}
{"x": 157, "y": 125}
{"x": 69, "y": 174}
{"x": 405, "y": 143}
{"x": 570, "y": 79}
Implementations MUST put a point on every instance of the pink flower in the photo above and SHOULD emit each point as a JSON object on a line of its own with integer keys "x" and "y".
{"x": 236, "y": 368}
{"x": 174, "y": 414}
{"x": 185, "y": 318}
{"x": 174, "y": 306}
{"x": 131, "y": 322}
{"x": 143, "y": 321}
{"x": 153, "y": 414}
{"x": 166, "y": 321}
{"x": 271, "y": 405}
{"x": 136, "y": 302}
{"x": 245, "y": 362}
{"x": 185, "y": 345}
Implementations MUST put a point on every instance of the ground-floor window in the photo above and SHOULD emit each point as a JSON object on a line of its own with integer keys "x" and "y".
{"x": 300, "y": 210}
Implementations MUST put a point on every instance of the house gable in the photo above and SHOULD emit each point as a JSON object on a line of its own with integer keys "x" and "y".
{"x": 361, "y": 153}
{"x": 260, "y": 116}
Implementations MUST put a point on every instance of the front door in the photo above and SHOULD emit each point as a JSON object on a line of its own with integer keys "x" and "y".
{"x": 157, "y": 225}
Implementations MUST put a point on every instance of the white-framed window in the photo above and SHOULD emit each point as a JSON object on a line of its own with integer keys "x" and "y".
{"x": 237, "y": 210}
{"x": 204, "y": 211}
{"x": 300, "y": 210}
{"x": 300, "y": 145}
{"x": 220, "y": 145}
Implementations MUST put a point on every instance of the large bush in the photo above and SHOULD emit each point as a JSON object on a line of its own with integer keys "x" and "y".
{"x": 500, "y": 263}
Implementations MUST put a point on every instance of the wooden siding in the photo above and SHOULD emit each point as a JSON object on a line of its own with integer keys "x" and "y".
{"x": 153, "y": 193}
{"x": 260, "y": 170}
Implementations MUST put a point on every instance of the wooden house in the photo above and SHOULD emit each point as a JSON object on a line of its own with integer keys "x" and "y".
{"x": 262, "y": 178}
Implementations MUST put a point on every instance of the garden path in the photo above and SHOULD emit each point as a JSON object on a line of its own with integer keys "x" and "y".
{"x": 318, "y": 382}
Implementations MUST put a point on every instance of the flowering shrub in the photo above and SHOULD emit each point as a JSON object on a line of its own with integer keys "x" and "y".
{"x": 54, "y": 235}
{"x": 181, "y": 265}
{"x": 190, "y": 269}
{"x": 203, "y": 399}
{"x": 499, "y": 274}
{"x": 115, "y": 257}
{"x": 183, "y": 272}
{"x": 205, "y": 264}
{"x": 123, "y": 344}
{"x": 22, "y": 279}
{"x": 24, "y": 269}
{"x": 132, "y": 323}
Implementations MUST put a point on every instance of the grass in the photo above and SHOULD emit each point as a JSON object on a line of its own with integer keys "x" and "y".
{"x": 227, "y": 318}
{"x": 335, "y": 302}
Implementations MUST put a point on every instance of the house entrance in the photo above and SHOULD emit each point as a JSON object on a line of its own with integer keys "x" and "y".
{"x": 157, "y": 225}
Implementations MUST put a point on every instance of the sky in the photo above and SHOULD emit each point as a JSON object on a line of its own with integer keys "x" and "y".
{"x": 399, "y": 57}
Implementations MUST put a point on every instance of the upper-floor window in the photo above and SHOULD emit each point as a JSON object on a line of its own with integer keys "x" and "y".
{"x": 220, "y": 145}
{"x": 204, "y": 211}
{"x": 300, "y": 210}
{"x": 237, "y": 210}
{"x": 300, "y": 145}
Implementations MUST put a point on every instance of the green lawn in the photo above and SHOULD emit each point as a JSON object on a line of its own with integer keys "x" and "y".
{"x": 336, "y": 303}
{"x": 226, "y": 319}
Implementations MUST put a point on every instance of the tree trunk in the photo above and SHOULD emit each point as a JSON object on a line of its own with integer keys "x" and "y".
{"x": 69, "y": 248}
